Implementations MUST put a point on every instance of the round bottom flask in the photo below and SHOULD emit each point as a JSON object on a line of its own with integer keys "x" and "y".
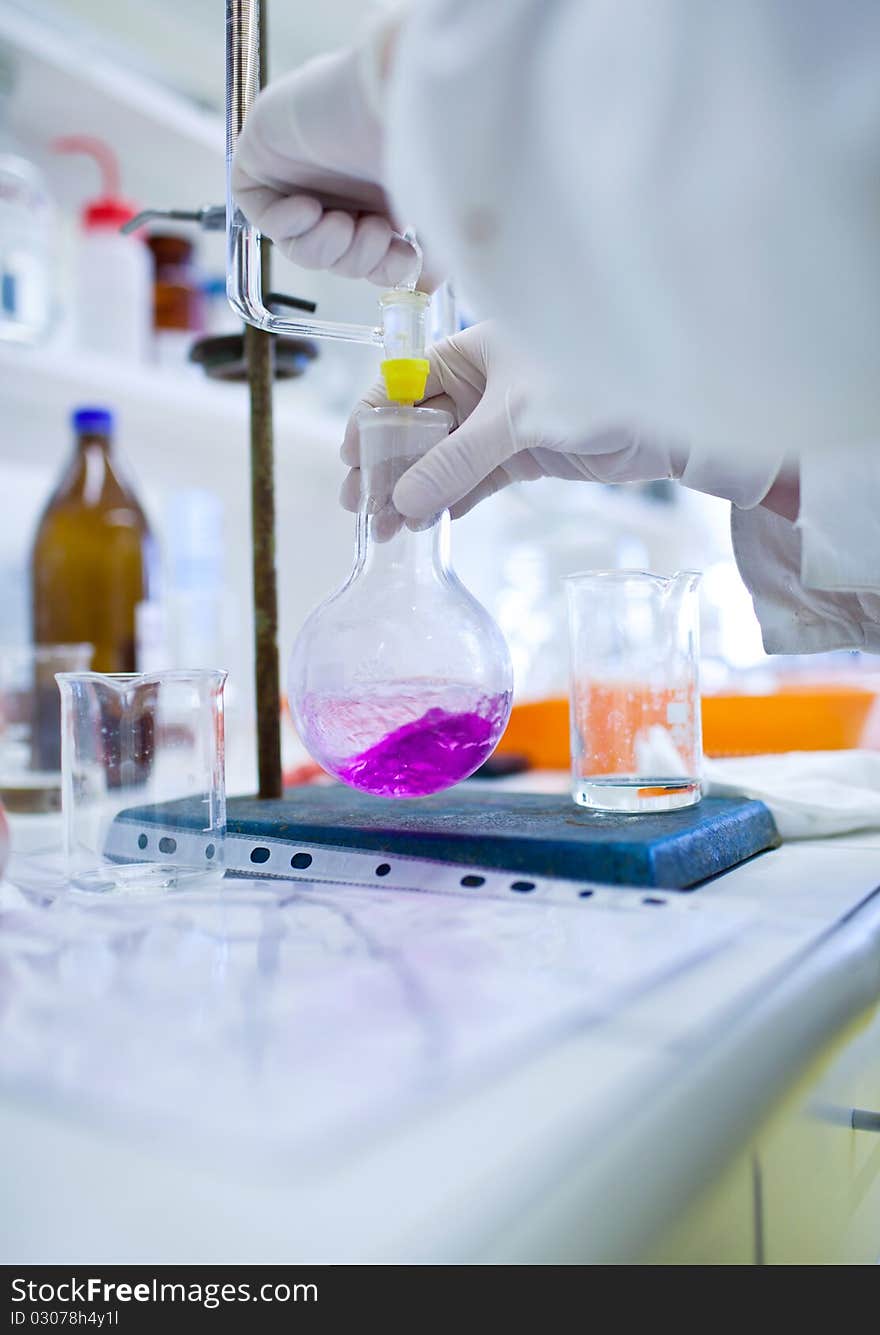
{"x": 400, "y": 683}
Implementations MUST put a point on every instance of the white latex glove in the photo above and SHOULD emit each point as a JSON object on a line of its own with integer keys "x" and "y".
{"x": 307, "y": 169}
{"x": 476, "y": 378}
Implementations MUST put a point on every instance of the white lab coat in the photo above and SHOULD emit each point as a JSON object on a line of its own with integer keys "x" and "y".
{"x": 678, "y": 204}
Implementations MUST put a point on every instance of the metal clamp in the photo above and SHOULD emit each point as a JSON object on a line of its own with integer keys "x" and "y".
{"x": 210, "y": 217}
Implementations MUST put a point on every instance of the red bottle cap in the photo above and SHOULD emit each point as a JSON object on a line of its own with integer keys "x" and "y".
{"x": 109, "y": 210}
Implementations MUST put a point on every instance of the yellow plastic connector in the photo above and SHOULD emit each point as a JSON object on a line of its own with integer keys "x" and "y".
{"x": 405, "y": 378}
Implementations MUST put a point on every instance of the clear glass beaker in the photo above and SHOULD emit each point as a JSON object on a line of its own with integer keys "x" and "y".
{"x": 143, "y": 779}
{"x": 400, "y": 683}
{"x": 30, "y": 723}
{"x": 636, "y": 739}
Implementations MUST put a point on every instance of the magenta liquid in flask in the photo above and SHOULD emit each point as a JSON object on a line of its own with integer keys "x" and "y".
{"x": 400, "y": 683}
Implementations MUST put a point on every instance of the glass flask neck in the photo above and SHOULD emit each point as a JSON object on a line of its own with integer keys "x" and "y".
{"x": 416, "y": 553}
{"x": 392, "y": 440}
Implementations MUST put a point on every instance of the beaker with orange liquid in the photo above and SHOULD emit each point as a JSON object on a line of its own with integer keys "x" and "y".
{"x": 634, "y": 699}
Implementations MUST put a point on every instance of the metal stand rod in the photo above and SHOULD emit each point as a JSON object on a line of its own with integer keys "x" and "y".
{"x": 260, "y": 355}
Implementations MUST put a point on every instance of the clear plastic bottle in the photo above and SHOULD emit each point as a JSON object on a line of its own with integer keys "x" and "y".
{"x": 114, "y": 298}
{"x": 400, "y": 683}
{"x": 195, "y": 570}
{"x": 25, "y": 233}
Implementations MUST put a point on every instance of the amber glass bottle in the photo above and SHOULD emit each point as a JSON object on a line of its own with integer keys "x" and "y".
{"x": 93, "y": 552}
{"x": 177, "y": 297}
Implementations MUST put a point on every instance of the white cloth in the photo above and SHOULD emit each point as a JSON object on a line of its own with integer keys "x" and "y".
{"x": 676, "y": 207}
{"x": 810, "y": 793}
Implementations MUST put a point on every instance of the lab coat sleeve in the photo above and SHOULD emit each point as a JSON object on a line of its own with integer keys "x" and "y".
{"x": 815, "y": 583}
{"x": 797, "y": 617}
{"x": 676, "y": 205}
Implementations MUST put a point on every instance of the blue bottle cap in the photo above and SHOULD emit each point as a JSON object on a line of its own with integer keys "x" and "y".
{"x": 96, "y": 420}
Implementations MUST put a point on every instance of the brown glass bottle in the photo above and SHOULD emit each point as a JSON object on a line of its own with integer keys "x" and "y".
{"x": 93, "y": 552}
{"x": 177, "y": 297}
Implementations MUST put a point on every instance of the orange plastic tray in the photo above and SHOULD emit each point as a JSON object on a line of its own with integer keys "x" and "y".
{"x": 794, "y": 718}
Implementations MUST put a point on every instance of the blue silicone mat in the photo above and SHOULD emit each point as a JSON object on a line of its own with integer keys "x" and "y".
{"x": 533, "y": 834}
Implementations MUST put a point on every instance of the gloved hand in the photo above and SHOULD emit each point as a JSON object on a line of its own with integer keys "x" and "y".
{"x": 307, "y": 169}
{"x": 475, "y": 377}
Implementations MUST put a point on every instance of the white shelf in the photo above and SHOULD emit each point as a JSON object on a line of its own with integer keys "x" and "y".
{"x": 171, "y": 152}
{"x": 67, "y": 84}
{"x": 174, "y": 410}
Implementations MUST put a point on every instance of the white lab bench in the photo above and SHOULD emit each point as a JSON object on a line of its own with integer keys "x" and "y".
{"x": 325, "y": 1073}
